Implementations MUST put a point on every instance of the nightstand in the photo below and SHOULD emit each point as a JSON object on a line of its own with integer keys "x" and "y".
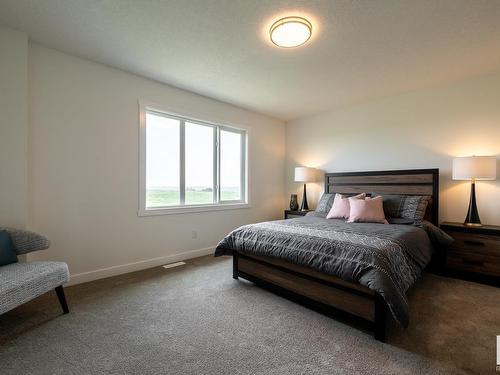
{"x": 475, "y": 253}
{"x": 289, "y": 214}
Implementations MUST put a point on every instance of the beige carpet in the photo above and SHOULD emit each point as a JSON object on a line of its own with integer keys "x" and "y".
{"x": 197, "y": 320}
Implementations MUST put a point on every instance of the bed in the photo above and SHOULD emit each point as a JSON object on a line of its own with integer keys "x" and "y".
{"x": 357, "y": 272}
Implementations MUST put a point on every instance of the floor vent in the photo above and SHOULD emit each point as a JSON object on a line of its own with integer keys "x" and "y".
{"x": 172, "y": 265}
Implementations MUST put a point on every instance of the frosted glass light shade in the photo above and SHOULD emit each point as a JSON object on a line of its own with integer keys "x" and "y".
{"x": 475, "y": 167}
{"x": 290, "y": 32}
{"x": 305, "y": 174}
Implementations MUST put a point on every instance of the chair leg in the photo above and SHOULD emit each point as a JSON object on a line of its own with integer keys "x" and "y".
{"x": 62, "y": 299}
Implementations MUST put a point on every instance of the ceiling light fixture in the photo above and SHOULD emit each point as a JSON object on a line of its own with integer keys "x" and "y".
{"x": 290, "y": 32}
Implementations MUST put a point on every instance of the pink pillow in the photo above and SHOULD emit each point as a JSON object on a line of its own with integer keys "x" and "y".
{"x": 369, "y": 210}
{"x": 340, "y": 208}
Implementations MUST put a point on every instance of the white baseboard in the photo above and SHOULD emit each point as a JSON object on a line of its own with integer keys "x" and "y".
{"x": 84, "y": 277}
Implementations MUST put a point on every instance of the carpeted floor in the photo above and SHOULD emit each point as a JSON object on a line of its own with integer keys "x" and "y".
{"x": 196, "y": 319}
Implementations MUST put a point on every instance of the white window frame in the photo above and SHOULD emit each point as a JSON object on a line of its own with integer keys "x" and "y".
{"x": 217, "y": 127}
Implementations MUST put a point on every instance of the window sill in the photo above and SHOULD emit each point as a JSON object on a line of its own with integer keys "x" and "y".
{"x": 192, "y": 209}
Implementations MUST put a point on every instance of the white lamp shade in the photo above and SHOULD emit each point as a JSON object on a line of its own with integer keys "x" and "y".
{"x": 305, "y": 174}
{"x": 475, "y": 167}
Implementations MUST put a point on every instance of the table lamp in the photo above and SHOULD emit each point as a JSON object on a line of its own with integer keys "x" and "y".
{"x": 304, "y": 174}
{"x": 474, "y": 168}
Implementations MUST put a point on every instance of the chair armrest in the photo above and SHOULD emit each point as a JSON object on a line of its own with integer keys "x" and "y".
{"x": 26, "y": 241}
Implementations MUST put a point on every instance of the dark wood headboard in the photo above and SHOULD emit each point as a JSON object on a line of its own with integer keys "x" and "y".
{"x": 404, "y": 182}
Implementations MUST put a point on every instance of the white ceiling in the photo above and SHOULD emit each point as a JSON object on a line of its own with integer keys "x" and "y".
{"x": 360, "y": 50}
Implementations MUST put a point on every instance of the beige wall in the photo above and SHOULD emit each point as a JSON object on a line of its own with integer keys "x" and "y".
{"x": 13, "y": 127}
{"x": 78, "y": 180}
{"x": 84, "y": 168}
{"x": 421, "y": 129}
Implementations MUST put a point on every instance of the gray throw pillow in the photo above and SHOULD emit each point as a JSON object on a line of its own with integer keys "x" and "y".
{"x": 409, "y": 207}
{"x": 325, "y": 203}
{"x": 7, "y": 251}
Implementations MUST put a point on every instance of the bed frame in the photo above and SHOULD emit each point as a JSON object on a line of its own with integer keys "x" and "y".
{"x": 330, "y": 295}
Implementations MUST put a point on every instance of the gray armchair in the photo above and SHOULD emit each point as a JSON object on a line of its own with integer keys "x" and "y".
{"x": 21, "y": 282}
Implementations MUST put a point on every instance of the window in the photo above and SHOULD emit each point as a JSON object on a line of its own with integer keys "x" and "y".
{"x": 190, "y": 165}
{"x": 199, "y": 151}
{"x": 230, "y": 164}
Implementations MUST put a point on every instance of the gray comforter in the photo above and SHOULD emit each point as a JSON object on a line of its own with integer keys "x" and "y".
{"x": 387, "y": 259}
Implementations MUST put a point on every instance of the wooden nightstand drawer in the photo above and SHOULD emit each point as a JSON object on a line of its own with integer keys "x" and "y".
{"x": 475, "y": 253}
{"x": 466, "y": 243}
{"x": 482, "y": 264}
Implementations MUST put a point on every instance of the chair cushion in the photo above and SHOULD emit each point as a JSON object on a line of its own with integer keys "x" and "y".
{"x": 7, "y": 250}
{"x": 23, "y": 281}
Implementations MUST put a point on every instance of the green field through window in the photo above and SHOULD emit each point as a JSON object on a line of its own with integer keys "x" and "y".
{"x": 164, "y": 197}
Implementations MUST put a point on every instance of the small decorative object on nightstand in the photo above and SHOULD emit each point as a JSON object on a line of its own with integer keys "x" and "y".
{"x": 475, "y": 253}
{"x": 294, "y": 203}
{"x": 289, "y": 214}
